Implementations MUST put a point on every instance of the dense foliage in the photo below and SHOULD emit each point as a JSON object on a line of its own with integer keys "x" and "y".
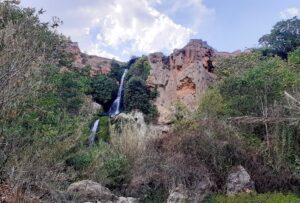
{"x": 140, "y": 68}
{"x": 294, "y": 57}
{"x": 104, "y": 90}
{"x": 137, "y": 96}
{"x": 45, "y": 111}
{"x": 259, "y": 87}
{"x": 25, "y": 46}
{"x": 284, "y": 37}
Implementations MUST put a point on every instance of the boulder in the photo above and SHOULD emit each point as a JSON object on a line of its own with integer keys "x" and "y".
{"x": 89, "y": 191}
{"x": 239, "y": 181}
{"x": 181, "y": 194}
{"x": 133, "y": 125}
{"x": 178, "y": 196}
{"x": 127, "y": 200}
{"x": 96, "y": 107}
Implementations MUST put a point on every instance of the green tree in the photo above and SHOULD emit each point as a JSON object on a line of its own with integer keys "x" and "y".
{"x": 104, "y": 90}
{"x": 284, "y": 37}
{"x": 260, "y": 86}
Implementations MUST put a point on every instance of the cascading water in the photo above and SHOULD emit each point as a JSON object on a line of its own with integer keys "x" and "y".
{"x": 115, "y": 107}
{"x": 113, "y": 111}
{"x": 92, "y": 137}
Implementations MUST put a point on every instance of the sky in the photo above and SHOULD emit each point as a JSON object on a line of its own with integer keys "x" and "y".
{"x": 123, "y": 28}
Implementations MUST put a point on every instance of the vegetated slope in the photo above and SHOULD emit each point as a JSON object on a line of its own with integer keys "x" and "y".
{"x": 45, "y": 109}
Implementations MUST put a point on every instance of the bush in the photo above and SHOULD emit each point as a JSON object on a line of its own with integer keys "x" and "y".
{"x": 104, "y": 90}
{"x": 212, "y": 104}
{"x": 189, "y": 155}
{"x": 294, "y": 57}
{"x": 80, "y": 160}
{"x": 70, "y": 92}
{"x": 104, "y": 128}
{"x": 116, "y": 166}
{"x": 253, "y": 198}
{"x": 140, "y": 68}
{"x": 236, "y": 65}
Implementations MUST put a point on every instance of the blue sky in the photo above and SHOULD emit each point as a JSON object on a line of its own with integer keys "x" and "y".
{"x": 122, "y": 28}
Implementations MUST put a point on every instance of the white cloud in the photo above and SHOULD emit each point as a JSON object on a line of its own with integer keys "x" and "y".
{"x": 96, "y": 50}
{"x": 120, "y": 28}
{"x": 194, "y": 11}
{"x": 289, "y": 13}
{"x": 146, "y": 29}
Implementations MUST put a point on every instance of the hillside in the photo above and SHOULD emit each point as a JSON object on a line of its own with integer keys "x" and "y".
{"x": 196, "y": 126}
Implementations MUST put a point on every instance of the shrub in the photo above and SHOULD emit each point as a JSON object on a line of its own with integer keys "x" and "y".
{"x": 212, "y": 104}
{"x": 187, "y": 156}
{"x": 294, "y": 57}
{"x": 104, "y": 90}
{"x": 104, "y": 128}
{"x": 70, "y": 92}
{"x": 80, "y": 160}
{"x": 116, "y": 166}
{"x": 140, "y": 68}
{"x": 251, "y": 198}
{"x": 236, "y": 65}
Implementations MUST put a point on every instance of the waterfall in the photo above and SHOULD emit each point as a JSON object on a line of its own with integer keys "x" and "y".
{"x": 115, "y": 107}
{"x": 113, "y": 111}
{"x": 92, "y": 137}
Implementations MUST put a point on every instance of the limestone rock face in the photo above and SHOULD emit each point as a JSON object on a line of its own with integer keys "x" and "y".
{"x": 238, "y": 181}
{"x": 133, "y": 125}
{"x": 99, "y": 65}
{"x": 86, "y": 190}
{"x": 182, "y": 77}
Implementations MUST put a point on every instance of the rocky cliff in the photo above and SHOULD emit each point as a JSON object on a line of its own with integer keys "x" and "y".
{"x": 99, "y": 65}
{"x": 181, "y": 77}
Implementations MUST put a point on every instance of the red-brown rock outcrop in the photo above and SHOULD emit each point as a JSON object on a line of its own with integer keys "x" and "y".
{"x": 99, "y": 65}
{"x": 181, "y": 77}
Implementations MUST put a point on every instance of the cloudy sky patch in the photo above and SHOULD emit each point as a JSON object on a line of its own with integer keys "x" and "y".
{"x": 290, "y": 13}
{"x": 122, "y": 28}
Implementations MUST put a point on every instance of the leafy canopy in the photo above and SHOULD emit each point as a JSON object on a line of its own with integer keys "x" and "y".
{"x": 284, "y": 37}
{"x": 104, "y": 90}
{"x": 261, "y": 85}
